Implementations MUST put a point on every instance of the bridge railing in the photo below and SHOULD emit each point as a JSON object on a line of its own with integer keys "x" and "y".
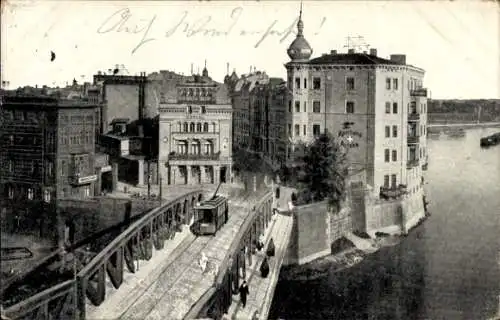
{"x": 217, "y": 300}
{"x": 68, "y": 300}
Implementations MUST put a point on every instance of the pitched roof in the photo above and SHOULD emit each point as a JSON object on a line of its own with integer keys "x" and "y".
{"x": 351, "y": 58}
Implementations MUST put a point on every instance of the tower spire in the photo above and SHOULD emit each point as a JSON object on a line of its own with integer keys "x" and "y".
{"x": 300, "y": 23}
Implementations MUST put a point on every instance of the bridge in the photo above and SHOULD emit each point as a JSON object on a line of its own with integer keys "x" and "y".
{"x": 151, "y": 270}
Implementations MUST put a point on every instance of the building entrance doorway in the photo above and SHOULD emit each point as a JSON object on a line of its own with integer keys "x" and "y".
{"x": 107, "y": 182}
{"x": 223, "y": 171}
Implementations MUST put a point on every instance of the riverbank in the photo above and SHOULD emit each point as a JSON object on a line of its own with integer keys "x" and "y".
{"x": 353, "y": 250}
{"x": 465, "y": 125}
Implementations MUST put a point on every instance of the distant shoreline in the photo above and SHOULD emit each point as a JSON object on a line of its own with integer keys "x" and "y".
{"x": 471, "y": 125}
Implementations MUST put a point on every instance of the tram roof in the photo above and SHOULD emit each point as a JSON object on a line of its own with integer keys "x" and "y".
{"x": 212, "y": 203}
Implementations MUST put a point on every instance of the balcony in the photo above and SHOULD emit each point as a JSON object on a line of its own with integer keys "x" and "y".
{"x": 422, "y": 92}
{"x": 78, "y": 179}
{"x": 412, "y": 163}
{"x": 413, "y": 116}
{"x": 190, "y": 156}
{"x": 413, "y": 139}
{"x": 396, "y": 192}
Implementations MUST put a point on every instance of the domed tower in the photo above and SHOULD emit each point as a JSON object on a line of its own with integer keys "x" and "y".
{"x": 300, "y": 50}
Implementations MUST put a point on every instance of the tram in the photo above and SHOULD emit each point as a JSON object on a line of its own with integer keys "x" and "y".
{"x": 211, "y": 214}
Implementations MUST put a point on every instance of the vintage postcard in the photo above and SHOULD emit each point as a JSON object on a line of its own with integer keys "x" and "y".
{"x": 250, "y": 160}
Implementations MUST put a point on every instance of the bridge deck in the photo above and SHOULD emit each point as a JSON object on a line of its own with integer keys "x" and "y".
{"x": 170, "y": 286}
{"x": 262, "y": 289}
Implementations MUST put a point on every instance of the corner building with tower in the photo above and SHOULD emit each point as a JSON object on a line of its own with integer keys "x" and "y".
{"x": 377, "y": 109}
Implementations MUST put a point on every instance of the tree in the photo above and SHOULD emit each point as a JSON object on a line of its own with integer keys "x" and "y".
{"x": 323, "y": 172}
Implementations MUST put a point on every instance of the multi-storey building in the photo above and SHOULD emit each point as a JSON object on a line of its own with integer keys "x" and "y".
{"x": 47, "y": 152}
{"x": 376, "y": 107}
{"x": 195, "y": 133}
{"x": 259, "y": 105}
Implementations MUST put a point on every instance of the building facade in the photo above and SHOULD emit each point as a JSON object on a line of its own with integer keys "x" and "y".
{"x": 259, "y": 115}
{"x": 375, "y": 107}
{"x": 47, "y": 153}
{"x": 195, "y": 133}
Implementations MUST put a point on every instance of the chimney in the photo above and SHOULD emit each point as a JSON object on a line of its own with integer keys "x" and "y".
{"x": 398, "y": 58}
{"x": 350, "y": 51}
{"x": 333, "y": 52}
{"x": 373, "y": 52}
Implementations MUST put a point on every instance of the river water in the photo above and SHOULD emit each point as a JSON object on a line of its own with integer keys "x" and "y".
{"x": 447, "y": 268}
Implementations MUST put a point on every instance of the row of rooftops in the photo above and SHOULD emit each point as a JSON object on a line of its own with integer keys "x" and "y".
{"x": 232, "y": 83}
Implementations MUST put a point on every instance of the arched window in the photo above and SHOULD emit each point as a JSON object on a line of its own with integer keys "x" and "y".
{"x": 213, "y": 126}
{"x": 179, "y": 126}
{"x": 191, "y": 127}
{"x": 203, "y": 92}
{"x": 209, "y": 147}
{"x": 205, "y": 127}
{"x": 203, "y": 109}
{"x": 185, "y": 127}
{"x": 195, "y": 147}
{"x": 198, "y": 127}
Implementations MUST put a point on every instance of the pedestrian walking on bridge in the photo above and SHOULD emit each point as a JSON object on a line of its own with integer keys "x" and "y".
{"x": 244, "y": 293}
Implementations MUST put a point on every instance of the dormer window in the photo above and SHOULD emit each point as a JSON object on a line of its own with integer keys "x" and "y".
{"x": 203, "y": 109}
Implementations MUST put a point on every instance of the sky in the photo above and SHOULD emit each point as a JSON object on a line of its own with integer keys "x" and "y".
{"x": 457, "y": 43}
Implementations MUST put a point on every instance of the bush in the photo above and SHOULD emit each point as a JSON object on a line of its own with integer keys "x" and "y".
{"x": 340, "y": 245}
{"x": 360, "y": 234}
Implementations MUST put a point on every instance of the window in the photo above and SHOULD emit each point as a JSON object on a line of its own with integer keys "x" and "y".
{"x": 189, "y": 109}
{"x": 289, "y": 129}
{"x": 50, "y": 168}
{"x": 297, "y": 130}
{"x": 305, "y": 83}
{"x": 387, "y": 107}
{"x": 395, "y": 84}
{"x": 185, "y": 127}
{"x": 316, "y": 107}
{"x": 316, "y": 83}
{"x": 387, "y": 155}
{"x": 297, "y": 106}
{"x": 395, "y": 107}
{"x": 349, "y": 107}
{"x": 394, "y": 155}
{"x": 393, "y": 180}
{"x": 198, "y": 127}
{"x": 86, "y": 191}
{"x": 388, "y": 83}
{"x": 290, "y": 106}
{"x": 46, "y": 196}
{"x": 205, "y": 127}
{"x": 30, "y": 193}
{"x": 191, "y": 127}
{"x": 305, "y": 106}
{"x": 11, "y": 138}
{"x": 387, "y": 131}
{"x": 349, "y": 83}
{"x": 386, "y": 181}
{"x": 203, "y": 109}
{"x": 297, "y": 83}
{"x": 316, "y": 129}
{"x": 394, "y": 131}
{"x": 305, "y": 130}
